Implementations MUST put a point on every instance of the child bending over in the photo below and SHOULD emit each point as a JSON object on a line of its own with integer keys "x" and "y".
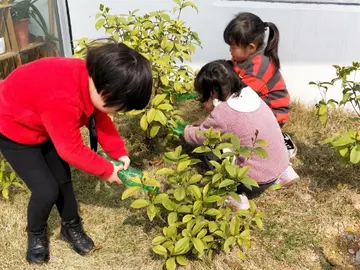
{"x": 43, "y": 104}
{"x": 240, "y": 111}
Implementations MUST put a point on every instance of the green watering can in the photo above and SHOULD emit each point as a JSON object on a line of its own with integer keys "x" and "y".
{"x": 126, "y": 175}
{"x": 179, "y": 130}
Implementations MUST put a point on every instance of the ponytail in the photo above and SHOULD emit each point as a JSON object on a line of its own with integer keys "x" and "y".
{"x": 271, "y": 49}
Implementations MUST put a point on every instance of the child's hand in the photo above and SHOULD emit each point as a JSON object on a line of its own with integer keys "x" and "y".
{"x": 114, "y": 176}
{"x": 126, "y": 161}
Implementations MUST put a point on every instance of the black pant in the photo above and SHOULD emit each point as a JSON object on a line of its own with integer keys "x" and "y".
{"x": 47, "y": 176}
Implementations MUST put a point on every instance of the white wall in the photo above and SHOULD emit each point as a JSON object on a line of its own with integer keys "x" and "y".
{"x": 313, "y": 37}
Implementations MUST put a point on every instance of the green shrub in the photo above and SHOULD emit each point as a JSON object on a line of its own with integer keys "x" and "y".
{"x": 346, "y": 144}
{"x": 167, "y": 43}
{"x": 8, "y": 179}
{"x": 197, "y": 221}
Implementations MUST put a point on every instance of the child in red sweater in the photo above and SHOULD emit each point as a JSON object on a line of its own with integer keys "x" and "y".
{"x": 259, "y": 65}
{"x": 43, "y": 104}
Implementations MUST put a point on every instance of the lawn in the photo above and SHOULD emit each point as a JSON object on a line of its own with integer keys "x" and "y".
{"x": 303, "y": 227}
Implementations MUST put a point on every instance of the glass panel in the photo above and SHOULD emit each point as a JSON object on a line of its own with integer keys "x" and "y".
{"x": 29, "y": 29}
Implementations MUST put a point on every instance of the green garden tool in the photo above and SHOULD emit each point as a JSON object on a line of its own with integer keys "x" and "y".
{"x": 126, "y": 175}
{"x": 179, "y": 130}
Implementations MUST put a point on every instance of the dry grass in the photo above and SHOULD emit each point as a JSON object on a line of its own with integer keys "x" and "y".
{"x": 303, "y": 225}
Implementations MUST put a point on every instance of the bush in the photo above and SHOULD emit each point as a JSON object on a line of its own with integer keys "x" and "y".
{"x": 197, "y": 221}
{"x": 167, "y": 43}
{"x": 346, "y": 144}
{"x": 8, "y": 179}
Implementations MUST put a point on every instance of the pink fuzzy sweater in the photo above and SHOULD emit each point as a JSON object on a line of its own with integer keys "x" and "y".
{"x": 242, "y": 116}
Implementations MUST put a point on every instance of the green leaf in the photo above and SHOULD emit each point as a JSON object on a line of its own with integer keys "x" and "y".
{"x": 240, "y": 255}
{"x": 99, "y": 24}
{"x": 213, "y": 226}
{"x": 198, "y": 244}
{"x": 249, "y": 182}
{"x": 202, "y": 149}
{"x": 206, "y": 189}
{"x": 215, "y": 164}
{"x": 172, "y": 218}
{"x": 275, "y": 187}
{"x": 158, "y": 99}
{"x": 170, "y": 231}
{"x": 202, "y": 233}
{"x": 151, "y": 182}
{"x": 150, "y": 115}
{"x": 143, "y": 123}
{"x": 171, "y": 264}
{"x": 129, "y": 192}
{"x": 195, "y": 178}
{"x": 343, "y": 140}
{"x": 259, "y": 222}
{"x": 235, "y": 225}
{"x": 197, "y": 207}
{"x": 165, "y": 107}
{"x": 181, "y": 246}
{"x": 212, "y": 212}
{"x": 195, "y": 190}
{"x": 160, "y": 117}
{"x": 242, "y": 171}
{"x": 179, "y": 193}
{"x": 154, "y": 131}
{"x": 208, "y": 238}
{"x": 139, "y": 203}
{"x": 168, "y": 204}
{"x": 181, "y": 260}
{"x": 217, "y": 153}
{"x": 231, "y": 170}
{"x": 355, "y": 154}
{"x": 260, "y": 152}
{"x": 184, "y": 209}
{"x": 211, "y": 199}
{"x": 226, "y": 183}
{"x": 222, "y": 146}
{"x": 191, "y": 4}
{"x": 235, "y": 141}
{"x": 252, "y": 206}
{"x": 159, "y": 250}
{"x": 165, "y": 171}
{"x": 228, "y": 242}
{"x": 158, "y": 240}
{"x": 5, "y": 193}
{"x": 261, "y": 142}
{"x": 187, "y": 218}
{"x": 183, "y": 165}
{"x": 216, "y": 177}
{"x": 164, "y": 80}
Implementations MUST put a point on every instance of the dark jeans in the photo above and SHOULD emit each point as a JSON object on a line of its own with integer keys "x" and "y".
{"x": 241, "y": 188}
{"x": 47, "y": 176}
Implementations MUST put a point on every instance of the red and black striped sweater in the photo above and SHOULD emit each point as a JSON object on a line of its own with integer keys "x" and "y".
{"x": 259, "y": 73}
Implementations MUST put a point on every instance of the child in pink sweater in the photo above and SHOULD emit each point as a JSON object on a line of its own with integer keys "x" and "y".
{"x": 239, "y": 110}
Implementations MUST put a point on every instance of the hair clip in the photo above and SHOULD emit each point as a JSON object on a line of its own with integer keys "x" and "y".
{"x": 266, "y": 25}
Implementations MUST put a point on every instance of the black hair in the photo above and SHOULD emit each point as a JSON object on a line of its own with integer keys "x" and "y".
{"x": 217, "y": 77}
{"x": 121, "y": 75}
{"x": 248, "y": 28}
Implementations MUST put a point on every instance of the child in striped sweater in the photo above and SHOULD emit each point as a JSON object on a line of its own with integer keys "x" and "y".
{"x": 240, "y": 111}
{"x": 259, "y": 65}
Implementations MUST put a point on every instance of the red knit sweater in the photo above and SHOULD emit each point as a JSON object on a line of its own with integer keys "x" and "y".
{"x": 49, "y": 99}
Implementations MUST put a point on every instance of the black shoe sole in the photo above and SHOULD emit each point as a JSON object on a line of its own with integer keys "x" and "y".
{"x": 82, "y": 253}
{"x": 38, "y": 262}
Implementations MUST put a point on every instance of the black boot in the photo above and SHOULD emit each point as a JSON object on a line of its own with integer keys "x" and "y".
{"x": 38, "y": 247}
{"x": 73, "y": 233}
